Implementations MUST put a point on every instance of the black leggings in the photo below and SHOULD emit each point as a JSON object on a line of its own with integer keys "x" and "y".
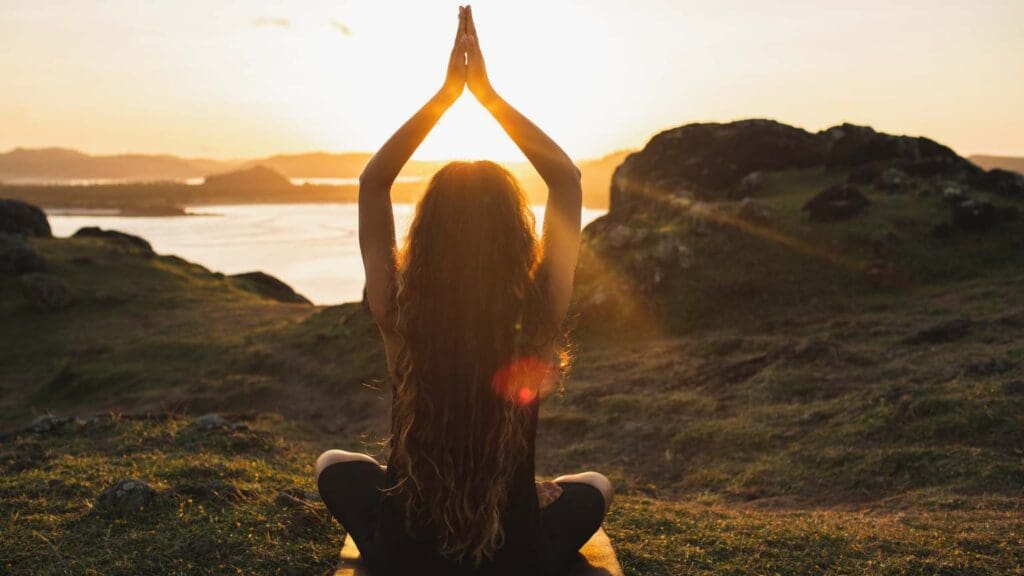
{"x": 351, "y": 491}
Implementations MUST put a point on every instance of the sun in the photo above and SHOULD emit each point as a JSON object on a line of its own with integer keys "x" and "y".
{"x": 468, "y": 132}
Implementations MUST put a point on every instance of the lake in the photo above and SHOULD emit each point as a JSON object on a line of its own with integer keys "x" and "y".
{"x": 312, "y": 247}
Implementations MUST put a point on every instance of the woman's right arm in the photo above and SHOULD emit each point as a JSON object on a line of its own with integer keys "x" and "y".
{"x": 376, "y": 220}
{"x": 561, "y": 235}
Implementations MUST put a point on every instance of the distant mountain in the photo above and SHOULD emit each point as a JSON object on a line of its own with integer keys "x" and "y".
{"x": 328, "y": 165}
{"x": 255, "y": 178}
{"x": 1015, "y": 163}
{"x": 58, "y": 164}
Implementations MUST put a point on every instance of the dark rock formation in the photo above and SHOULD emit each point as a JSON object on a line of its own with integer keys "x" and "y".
{"x": 713, "y": 162}
{"x": 840, "y": 202}
{"x": 709, "y": 161}
{"x": 975, "y": 215}
{"x": 1002, "y": 182}
{"x": 753, "y": 211}
{"x": 45, "y": 293}
{"x": 269, "y": 287}
{"x": 17, "y": 217}
{"x": 17, "y": 256}
{"x": 127, "y": 496}
{"x": 255, "y": 178}
{"x": 127, "y": 240}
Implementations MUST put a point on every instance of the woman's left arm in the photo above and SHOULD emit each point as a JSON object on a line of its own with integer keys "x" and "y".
{"x": 376, "y": 219}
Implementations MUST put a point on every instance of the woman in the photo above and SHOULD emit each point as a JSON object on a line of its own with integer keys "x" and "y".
{"x": 470, "y": 311}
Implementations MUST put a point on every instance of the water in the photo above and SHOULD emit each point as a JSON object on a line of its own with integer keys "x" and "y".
{"x": 296, "y": 181}
{"x": 312, "y": 247}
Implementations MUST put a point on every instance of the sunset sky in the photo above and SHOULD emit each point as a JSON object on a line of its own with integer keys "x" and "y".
{"x": 251, "y": 78}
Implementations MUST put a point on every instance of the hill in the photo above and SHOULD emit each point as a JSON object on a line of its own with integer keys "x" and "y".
{"x": 58, "y": 164}
{"x": 797, "y": 355}
{"x": 1013, "y": 163}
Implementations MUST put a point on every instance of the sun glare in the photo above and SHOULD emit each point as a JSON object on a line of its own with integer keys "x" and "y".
{"x": 468, "y": 132}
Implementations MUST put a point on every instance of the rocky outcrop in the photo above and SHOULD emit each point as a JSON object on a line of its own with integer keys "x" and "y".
{"x": 269, "y": 287}
{"x": 716, "y": 162}
{"x": 45, "y": 293}
{"x": 129, "y": 241}
{"x": 710, "y": 161}
{"x": 17, "y": 256}
{"x": 256, "y": 178}
{"x": 17, "y": 217}
{"x": 836, "y": 203}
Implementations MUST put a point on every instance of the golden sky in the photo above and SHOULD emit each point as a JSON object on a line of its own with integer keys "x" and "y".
{"x": 251, "y": 78}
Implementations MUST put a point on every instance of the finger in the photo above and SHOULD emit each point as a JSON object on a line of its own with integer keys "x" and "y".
{"x": 470, "y": 25}
{"x": 460, "y": 30}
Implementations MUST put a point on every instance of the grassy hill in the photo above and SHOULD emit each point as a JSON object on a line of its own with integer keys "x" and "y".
{"x": 772, "y": 393}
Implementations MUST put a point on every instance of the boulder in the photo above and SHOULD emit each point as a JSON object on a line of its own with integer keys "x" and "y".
{"x": 44, "y": 292}
{"x": 1002, "y": 182}
{"x": 836, "y": 203}
{"x": 269, "y": 287}
{"x": 17, "y": 256}
{"x": 127, "y": 496}
{"x": 752, "y": 184}
{"x": 849, "y": 145}
{"x": 754, "y": 211}
{"x": 211, "y": 422}
{"x": 47, "y": 423}
{"x": 129, "y": 241}
{"x": 17, "y": 217}
{"x": 893, "y": 181}
{"x": 975, "y": 215}
{"x": 709, "y": 161}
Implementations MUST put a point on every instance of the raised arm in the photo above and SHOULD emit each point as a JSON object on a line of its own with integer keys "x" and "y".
{"x": 561, "y": 234}
{"x": 376, "y": 219}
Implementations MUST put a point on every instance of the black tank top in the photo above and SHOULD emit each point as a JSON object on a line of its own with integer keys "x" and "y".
{"x": 399, "y": 553}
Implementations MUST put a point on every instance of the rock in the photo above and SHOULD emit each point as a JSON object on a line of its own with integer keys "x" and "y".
{"x": 131, "y": 242}
{"x": 17, "y": 256}
{"x": 44, "y": 292}
{"x": 214, "y": 490}
{"x": 836, "y": 203}
{"x": 752, "y": 184}
{"x": 623, "y": 236}
{"x": 1002, "y": 182}
{"x": 893, "y": 181}
{"x": 942, "y": 332}
{"x": 951, "y": 192}
{"x": 211, "y": 422}
{"x": 47, "y": 423}
{"x": 127, "y": 496}
{"x": 17, "y": 217}
{"x": 754, "y": 211}
{"x": 255, "y": 178}
{"x": 974, "y": 215}
{"x": 709, "y": 161}
{"x": 849, "y": 145}
{"x": 670, "y": 251}
{"x": 269, "y": 287}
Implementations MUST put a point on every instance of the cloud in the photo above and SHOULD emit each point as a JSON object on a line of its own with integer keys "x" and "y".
{"x": 271, "y": 22}
{"x": 341, "y": 27}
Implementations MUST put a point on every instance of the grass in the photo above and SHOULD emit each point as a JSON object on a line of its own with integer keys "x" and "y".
{"x": 770, "y": 410}
{"x": 52, "y": 524}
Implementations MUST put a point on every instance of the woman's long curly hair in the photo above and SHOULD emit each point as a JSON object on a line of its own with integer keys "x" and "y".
{"x": 474, "y": 338}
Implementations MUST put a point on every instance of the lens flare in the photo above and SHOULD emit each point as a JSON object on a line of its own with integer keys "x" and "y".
{"x": 524, "y": 379}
